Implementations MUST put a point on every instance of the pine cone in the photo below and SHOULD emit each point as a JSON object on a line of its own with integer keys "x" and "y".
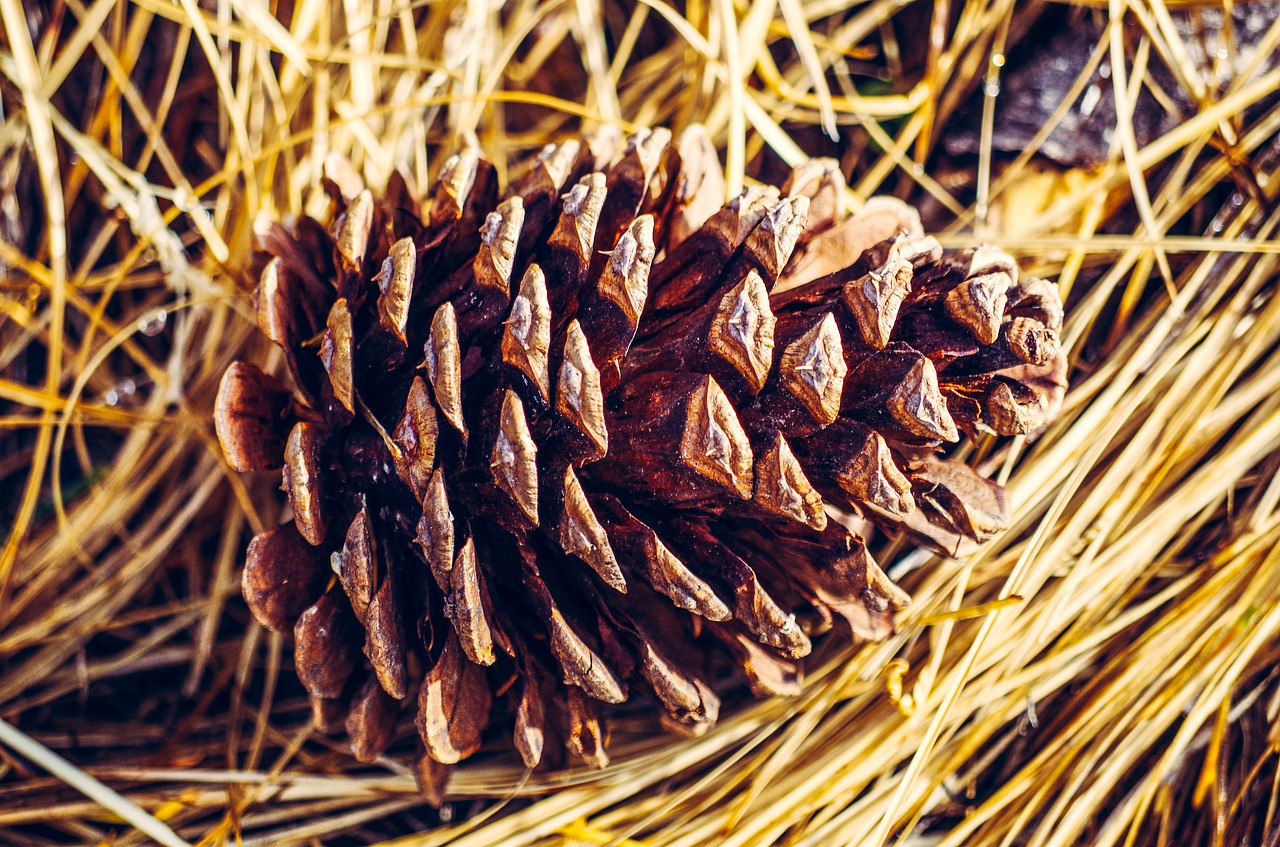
{"x": 595, "y": 438}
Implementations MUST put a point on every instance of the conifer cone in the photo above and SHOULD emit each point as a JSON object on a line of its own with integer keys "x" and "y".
{"x": 600, "y": 437}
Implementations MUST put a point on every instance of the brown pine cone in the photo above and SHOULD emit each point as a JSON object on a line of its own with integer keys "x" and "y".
{"x": 597, "y": 437}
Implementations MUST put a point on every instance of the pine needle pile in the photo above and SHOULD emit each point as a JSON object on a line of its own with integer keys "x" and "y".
{"x": 1102, "y": 671}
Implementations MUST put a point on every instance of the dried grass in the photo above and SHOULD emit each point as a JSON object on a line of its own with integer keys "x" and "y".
{"x": 1105, "y": 673}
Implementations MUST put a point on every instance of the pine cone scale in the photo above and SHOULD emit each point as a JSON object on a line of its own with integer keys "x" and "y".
{"x": 526, "y": 335}
{"x": 442, "y": 359}
{"x": 466, "y": 609}
{"x": 326, "y": 646}
{"x": 251, "y": 409}
{"x": 453, "y": 706}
